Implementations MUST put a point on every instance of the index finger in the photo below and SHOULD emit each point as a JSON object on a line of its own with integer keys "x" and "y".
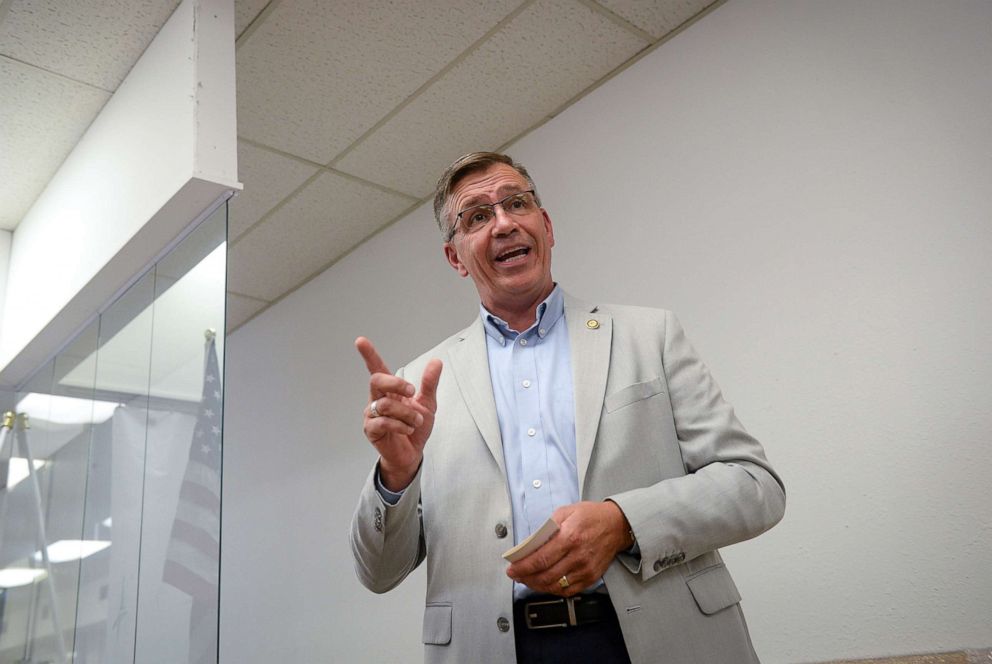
{"x": 368, "y": 352}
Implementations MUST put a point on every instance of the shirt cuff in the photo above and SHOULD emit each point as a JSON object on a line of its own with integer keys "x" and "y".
{"x": 390, "y": 497}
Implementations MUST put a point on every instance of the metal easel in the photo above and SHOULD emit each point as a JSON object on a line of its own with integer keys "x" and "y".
{"x": 10, "y": 419}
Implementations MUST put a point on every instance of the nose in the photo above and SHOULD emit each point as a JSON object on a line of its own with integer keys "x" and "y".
{"x": 503, "y": 222}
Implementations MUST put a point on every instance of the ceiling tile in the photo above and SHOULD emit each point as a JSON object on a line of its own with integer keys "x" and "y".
{"x": 43, "y": 116}
{"x": 268, "y": 178}
{"x": 316, "y": 75}
{"x": 245, "y": 12}
{"x": 657, "y": 18}
{"x": 240, "y": 308}
{"x": 541, "y": 59}
{"x": 320, "y": 224}
{"x": 96, "y": 42}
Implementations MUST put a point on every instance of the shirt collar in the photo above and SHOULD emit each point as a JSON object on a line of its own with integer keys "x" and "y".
{"x": 548, "y": 314}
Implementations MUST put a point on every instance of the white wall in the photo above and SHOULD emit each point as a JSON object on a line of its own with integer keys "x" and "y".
{"x": 5, "y": 239}
{"x": 806, "y": 184}
{"x": 161, "y": 151}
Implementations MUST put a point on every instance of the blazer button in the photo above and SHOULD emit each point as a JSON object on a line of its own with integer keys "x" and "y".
{"x": 503, "y": 624}
{"x": 377, "y": 520}
{"x": 501, "y": 530}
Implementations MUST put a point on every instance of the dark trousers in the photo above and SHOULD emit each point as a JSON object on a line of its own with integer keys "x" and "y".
{"x": 600, "y": 642}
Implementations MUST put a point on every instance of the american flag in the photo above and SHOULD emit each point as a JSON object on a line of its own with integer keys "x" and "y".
{"x": 193, "y": 556}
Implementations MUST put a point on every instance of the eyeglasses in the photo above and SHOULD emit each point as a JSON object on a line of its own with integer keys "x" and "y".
{"x": 472, "y": 219}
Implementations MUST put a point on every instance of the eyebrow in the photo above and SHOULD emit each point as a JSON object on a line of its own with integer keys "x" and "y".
{"x": 501, "y": 193}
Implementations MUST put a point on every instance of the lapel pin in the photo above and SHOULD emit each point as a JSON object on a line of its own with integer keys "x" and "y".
{"x": 592, "y": 324}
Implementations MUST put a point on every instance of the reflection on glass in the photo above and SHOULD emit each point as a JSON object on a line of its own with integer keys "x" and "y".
{"x": 110, "y": 501}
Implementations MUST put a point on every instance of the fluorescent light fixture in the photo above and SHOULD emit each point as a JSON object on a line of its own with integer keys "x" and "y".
{"x": 65, "y": 551}
{"x": 12, "y": 577}
{"x": 66, "y": 410}
{"x": 17, "y": 470}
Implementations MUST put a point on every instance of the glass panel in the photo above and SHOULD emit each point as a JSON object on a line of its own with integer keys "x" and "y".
{"x": 23, "y": 524}
{"x": 108, "y": 584}
{"x": 110, "y": 534}
{"x": 180, "y": 554}
{"x": 44, "y": 517}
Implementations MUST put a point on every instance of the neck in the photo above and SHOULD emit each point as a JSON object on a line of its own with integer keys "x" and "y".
{"x": 519, "y": 316}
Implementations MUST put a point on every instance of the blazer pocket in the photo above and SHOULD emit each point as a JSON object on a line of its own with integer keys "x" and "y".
{"x": 437, "y": 624}
{"x": 713, "y": 589}
{"x": 632, "y": 394}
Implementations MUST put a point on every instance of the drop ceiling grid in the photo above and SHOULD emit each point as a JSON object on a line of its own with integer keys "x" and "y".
{"x": 245, "y": 12}
{"x": 46, "y": 105}
{"x": 240, "y": 308}
{"x": 93, "y": 42}
{"x": 268, "y": 178}
{"x": 313, "y": 77}
{"x": 552, "y": 51}
{"x": 657, "y": 18}
{"x": 323, "y": 221}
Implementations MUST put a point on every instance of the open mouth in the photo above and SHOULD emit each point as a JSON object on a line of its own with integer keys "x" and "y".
{"x": 508, "y": 256}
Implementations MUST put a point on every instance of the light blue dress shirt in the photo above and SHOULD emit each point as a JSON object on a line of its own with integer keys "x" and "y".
{"x": 531, "y": 374}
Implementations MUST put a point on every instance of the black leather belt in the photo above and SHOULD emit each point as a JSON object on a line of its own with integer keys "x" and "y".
{"x": 540, "y": 613}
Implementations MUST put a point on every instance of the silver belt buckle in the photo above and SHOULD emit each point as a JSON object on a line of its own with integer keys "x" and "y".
{"x": 569, "y": 605}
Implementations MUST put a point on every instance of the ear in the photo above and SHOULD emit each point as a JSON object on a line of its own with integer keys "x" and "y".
{"x": 548, "y": 228}
{"x": 453, "y": 260}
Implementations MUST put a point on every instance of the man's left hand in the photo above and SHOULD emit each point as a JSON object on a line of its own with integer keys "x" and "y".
{"x": 590, "y": 536}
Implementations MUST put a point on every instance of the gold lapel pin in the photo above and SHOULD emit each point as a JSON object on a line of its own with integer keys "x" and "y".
{"x": 592, "y": 324}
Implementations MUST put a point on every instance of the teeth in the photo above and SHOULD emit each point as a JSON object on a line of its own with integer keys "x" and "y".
{"x": 512, "y": 254}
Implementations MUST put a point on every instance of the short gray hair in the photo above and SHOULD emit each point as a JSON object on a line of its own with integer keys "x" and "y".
{"x": 470, "y": 163}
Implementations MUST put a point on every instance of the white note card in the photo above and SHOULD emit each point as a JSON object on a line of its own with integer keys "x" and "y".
{"x": 532, "y": 543}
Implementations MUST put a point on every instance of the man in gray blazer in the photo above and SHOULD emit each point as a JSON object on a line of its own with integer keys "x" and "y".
{"x": 601, "y": 417}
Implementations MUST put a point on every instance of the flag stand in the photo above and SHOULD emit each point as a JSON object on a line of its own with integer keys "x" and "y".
{"x": 21, "y": 438}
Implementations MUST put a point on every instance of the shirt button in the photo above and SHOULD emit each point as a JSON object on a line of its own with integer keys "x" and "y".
{"x": 501, "y": 530}
{"x": 526, "y": 383}
{"x": 523, "y": 342}
{"x": 531, "y": 432}
{"x": 503, "y": 624}
{"x": 537, "y": 484}
{"x": 542, "y": 331}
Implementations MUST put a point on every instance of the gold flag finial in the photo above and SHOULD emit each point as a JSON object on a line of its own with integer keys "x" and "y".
{"x": 8, "y": 419}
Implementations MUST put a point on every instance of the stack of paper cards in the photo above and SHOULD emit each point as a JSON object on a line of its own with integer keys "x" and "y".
{"x": 532, "y": 543}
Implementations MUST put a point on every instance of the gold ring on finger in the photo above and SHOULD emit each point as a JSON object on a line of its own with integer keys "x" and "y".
{"x": 563, "y": 581}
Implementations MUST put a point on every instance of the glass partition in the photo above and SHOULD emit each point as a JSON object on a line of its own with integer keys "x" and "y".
{"x": 110, "y": 471}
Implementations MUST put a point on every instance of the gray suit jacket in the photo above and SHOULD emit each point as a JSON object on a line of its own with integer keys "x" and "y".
{"x": 653, "y": 433}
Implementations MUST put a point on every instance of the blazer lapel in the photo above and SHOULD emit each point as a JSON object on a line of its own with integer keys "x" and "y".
{"x": 470, "y": 366}
{"x": 590, "y": 335}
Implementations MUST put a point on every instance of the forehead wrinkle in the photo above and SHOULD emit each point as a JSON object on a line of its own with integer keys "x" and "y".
{"x": 490, "y": 189}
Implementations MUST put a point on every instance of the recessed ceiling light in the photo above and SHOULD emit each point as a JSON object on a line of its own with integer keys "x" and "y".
{"x": 66, "y": 410}
{"x": 12, "y": 577}
{"x": 18, "y": 470}
{"x": 64, "y": 551}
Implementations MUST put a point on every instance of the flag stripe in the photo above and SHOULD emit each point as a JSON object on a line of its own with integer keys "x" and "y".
{"x": 179, "y": 576}
{"x": 193, "y": 555}
{"x": 194, "y": 536}
{"x": 199, "y": 495}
